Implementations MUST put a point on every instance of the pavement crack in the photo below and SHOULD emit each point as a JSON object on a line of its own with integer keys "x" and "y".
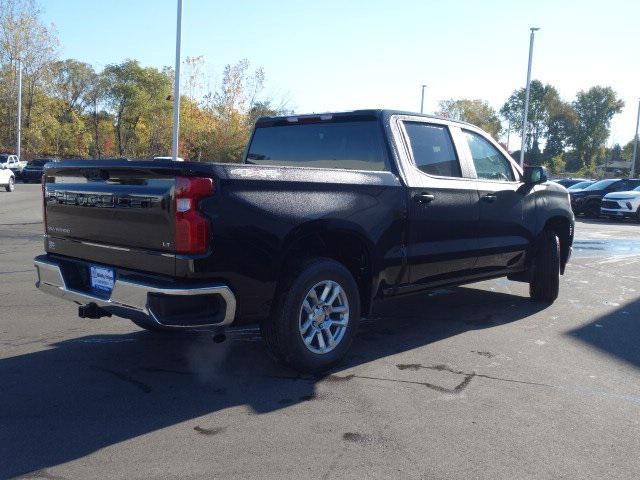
{"x": 455, "y": 390}
{"x": 126, "y": 378}
{"x": 445, "y": 368}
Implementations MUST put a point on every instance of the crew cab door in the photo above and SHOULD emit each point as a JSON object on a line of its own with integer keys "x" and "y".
{"x": 507, "y": 207}
{"x": 443, "y": 209}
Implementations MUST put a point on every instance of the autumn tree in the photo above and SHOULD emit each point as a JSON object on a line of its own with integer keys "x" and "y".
{"x": 23, "y": 38}
{"x": 477, "y": 112}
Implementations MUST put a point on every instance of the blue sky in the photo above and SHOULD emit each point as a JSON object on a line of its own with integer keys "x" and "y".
{"x": 340, "y": 55}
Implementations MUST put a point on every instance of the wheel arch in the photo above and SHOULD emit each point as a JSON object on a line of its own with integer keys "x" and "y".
{"x": 341, "y": 241}
{"x": 563, "y": 227}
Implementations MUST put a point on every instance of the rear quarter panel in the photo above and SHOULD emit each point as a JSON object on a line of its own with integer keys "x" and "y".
{"x": 258, "y": 213}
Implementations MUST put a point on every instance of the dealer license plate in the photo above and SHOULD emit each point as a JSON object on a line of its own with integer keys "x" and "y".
{"x": 102, "y": 278}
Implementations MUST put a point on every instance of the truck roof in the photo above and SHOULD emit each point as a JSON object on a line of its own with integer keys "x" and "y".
{"x": 352, "y": 115}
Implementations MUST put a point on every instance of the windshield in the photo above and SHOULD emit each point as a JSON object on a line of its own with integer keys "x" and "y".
{"x": 602, "y": 184}
{"x": 4, "y": 158}
{"x": 580, "y": 185}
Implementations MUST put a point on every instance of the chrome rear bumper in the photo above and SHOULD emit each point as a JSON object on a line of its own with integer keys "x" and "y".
{"x": 129, "y": 299}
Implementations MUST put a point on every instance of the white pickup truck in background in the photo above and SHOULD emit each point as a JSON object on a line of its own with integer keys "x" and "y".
{"x": 7, "y": 178}
{"x": 12, "y": 163}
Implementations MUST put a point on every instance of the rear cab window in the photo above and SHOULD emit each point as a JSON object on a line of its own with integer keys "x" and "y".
{"x": 432, "y": 149}
{"x": 352, "y": 145}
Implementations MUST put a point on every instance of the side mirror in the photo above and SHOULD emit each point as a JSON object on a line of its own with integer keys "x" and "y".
{"x": 534, "y": 175}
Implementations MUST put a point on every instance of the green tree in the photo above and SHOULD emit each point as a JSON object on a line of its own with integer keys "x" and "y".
{"x": 594, "y": 110}
{"x": 475, "y": 111}
{"x": 548, "y": 117}
{"x": 73, "y": 82}
{"x": 138, "y": 98}
{"x": 560, "y": 123}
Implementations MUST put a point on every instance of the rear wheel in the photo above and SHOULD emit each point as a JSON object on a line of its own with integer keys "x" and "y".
{"x": 315, "y": 317}
{"x": 544, "y": 283}
{"x": 11, "y": 186}
{"x": 638, "y": 215}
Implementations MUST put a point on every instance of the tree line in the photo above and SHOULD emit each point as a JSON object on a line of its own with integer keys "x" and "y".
{"x": 71, "y": 110}
{"x": 563, "y": 135}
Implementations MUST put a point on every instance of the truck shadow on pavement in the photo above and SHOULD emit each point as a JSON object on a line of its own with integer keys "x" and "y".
{"x": 616, "y": 333}
{"x": 78, "y": 396}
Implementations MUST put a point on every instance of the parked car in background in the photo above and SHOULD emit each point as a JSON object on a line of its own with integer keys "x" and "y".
{"x": 12, "y": 163}
{"x": 621, "y": 204}
{"x": 567, "y": 182}
{"x": 581, "y": 185}
{"x": 587, "y": 201}
{"x": 7, "y": 178}
{"x": 32, "y": 173}
{"x": 327, "y": 214}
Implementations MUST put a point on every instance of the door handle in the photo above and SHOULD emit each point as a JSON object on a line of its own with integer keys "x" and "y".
{"x": 490, "y": 197}
{"x": 424, "y": 197}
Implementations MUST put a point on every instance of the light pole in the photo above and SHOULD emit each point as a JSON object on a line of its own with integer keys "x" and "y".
{"x": 19, "y": 129}
{"x": 422, "y": 100}
{"x": 176, "y": 88}
{"x": 635, "y": 145}
{"x": 526, "y": 97}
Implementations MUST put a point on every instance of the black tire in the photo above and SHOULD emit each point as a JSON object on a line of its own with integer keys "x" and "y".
{"x": 10, "y": 187}
{"x": 281, "y": 331}
{"x": 544, "y": 285}
{"x": 638, "y": 215}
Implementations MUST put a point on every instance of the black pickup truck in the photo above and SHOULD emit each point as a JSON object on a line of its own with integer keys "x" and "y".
{"x": 326, "y": 214}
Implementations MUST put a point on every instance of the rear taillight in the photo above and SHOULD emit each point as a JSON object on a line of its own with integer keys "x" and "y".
{"x": 192, "y": 229}
{"x": 43, "y": 182}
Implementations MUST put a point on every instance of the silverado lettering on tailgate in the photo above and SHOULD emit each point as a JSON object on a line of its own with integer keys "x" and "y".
{"x": 101, "y": 200}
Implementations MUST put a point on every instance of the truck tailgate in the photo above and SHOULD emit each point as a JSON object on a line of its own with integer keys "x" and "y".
{"x": 119, "y": 213}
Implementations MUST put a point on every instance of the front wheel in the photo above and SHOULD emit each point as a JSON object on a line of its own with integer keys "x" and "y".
{"x": 11, "y": 186}
{"x": 544, "y": 284}
{"x": 315, "y": 317}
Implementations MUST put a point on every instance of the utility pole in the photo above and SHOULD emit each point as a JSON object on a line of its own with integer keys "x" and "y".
{"x": 422, "y": 100}
{"x": 19, "y": 129}
{"x": 526, "y": 97}
{"x": 606, "y": 162}
{"x": 635, "y": 145}
{"x": 508, "y": 135}
{"x": 176, "y": 88}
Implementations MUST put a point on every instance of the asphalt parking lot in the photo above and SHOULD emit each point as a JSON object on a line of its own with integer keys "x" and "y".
{"x": 470, "y": 382}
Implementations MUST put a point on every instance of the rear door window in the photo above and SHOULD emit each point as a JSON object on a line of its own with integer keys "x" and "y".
{"x": 354, "y": 145}
{"x": 432, "y": 149}
{"x": 490, "y": 164}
